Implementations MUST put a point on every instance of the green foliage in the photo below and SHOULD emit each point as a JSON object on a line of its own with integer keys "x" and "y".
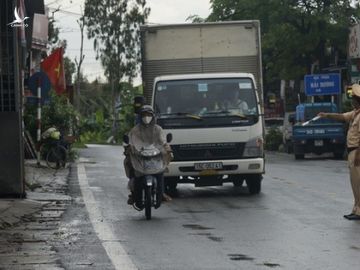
{"x": 273, "y": 139}
{"x": 195, "y": 19}
{"x": 30, "y": 119}
{"x": 70, "y": 69}
{"x": 93, "y": 137}
{"x": 97, "y": 114}
{"x": 295, "y": 34}
{"x": 58, "y": 113}
{"x": 53, "y": 32}
{"x": 94, "y": 128}
{"x": 115, "y": 28}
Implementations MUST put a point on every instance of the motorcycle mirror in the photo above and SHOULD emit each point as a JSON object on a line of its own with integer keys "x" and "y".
{"x": 126, "y": 139}
{"x": 169, "y": 137}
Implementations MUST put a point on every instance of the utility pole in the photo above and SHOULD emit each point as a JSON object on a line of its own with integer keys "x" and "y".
{"x": 81, "y": 23}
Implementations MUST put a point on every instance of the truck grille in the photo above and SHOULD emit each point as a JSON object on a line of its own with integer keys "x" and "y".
{"x": 209, "y": 151}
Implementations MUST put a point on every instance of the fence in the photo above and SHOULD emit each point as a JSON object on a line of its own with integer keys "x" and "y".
{"x": 7, "y": 54}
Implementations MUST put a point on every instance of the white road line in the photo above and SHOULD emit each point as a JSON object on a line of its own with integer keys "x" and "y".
{"x": 118, "y": 256}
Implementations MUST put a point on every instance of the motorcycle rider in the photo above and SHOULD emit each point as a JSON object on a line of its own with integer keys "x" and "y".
{"x": 146, "y": 132}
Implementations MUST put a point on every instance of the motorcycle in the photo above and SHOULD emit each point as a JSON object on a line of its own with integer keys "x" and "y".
{"x": 149, "y": 164}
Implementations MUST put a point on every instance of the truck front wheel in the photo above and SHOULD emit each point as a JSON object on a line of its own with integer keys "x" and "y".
{"x": 253, "y": 183}
{"x": 237, "y": 180}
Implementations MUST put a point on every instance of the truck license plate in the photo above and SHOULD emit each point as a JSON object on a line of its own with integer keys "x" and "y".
{"x": 208, "y": 166}
{"x": 318, "y": 143}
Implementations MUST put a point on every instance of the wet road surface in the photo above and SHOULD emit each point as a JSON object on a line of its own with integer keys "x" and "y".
{"x": 295, "y": 223}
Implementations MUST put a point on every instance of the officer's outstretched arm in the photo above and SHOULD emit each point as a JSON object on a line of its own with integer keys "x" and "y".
{"x": 334, "y": 116}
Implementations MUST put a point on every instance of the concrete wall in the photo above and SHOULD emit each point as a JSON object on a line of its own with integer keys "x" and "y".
{"x": 11, "y": 156}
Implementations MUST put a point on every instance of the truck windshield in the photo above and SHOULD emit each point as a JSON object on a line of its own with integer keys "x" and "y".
{"x": 206, "y": 98}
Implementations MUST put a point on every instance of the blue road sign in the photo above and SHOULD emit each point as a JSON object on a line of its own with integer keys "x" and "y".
{"x": 322, "y": 84}
{"x": 45, "y": 84}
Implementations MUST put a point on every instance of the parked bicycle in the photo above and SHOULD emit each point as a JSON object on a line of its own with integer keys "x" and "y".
{"x": 54, "y": 149}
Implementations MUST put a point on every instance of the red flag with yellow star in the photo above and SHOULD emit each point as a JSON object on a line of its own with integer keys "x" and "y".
{"x": 53, "y": 66}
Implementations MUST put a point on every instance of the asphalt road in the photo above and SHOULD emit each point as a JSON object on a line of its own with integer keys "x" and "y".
{"x": 295, "y": 223}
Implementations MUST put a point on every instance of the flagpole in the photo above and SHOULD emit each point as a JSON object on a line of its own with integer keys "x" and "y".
{"x": 38, "y": 121}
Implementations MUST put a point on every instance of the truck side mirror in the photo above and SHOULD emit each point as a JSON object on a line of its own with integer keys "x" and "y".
{"x": 126, "y": 139}
{"x": 169, "y": 137}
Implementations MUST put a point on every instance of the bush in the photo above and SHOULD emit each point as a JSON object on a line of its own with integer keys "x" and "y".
{"x": 93, "y": 137}
{"x": 273, "y": 139}
{"x": 94, "y": 129}
{"x": 57, "y": 113}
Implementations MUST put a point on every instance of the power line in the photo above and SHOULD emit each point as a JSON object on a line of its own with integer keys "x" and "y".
{"x": 65, "y": 11}
{"x": 68, "y": 49}
{"x": 53, "y": 2}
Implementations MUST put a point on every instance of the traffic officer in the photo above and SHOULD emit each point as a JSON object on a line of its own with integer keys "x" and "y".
{"x": 353, "y": 147}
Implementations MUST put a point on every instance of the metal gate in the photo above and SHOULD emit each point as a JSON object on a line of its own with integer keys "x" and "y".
{"x": 7, "y": 70}
{"x": 11, "y": 139}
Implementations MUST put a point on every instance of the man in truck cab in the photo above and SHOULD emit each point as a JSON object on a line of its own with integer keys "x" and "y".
{"x": 233, "y": 101}
{"x": 353, "y": 147}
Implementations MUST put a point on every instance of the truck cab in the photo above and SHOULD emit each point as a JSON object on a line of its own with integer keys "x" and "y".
{"x": 217, "y": 128}
{"x": 320, "y": 136}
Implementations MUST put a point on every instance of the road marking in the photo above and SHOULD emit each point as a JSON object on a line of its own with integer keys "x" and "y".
{"x": 116, "y": 253}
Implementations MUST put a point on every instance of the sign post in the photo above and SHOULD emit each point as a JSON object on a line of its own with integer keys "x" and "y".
{"x": 39, "y": 85}
{"x": 38, "y": 120}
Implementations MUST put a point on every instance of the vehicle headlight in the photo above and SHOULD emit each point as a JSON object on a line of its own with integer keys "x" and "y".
{"x": 254, "y": 148}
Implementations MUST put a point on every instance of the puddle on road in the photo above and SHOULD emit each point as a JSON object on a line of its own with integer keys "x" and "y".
{"x": 192, "y": 211}
{"x": 196, "y": 227}
{"x": 215, "y": 238}
{"x": 272, "y": 265}
{"x": 240, "y": 257}
{"x": 201, "y": 234}
{"x": 202, "y": 228}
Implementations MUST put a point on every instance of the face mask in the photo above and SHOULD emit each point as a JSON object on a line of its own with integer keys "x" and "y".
{"x": 147, "y": 119}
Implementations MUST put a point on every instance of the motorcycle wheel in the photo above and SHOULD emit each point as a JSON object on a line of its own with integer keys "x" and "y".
{"x": 148, "y": 202}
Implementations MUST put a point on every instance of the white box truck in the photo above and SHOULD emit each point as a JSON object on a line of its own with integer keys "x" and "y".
{"x": 205, "y": 84}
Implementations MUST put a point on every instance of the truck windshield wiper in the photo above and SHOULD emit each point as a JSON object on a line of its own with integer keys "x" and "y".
{"x": 243, "y": 116}
{"x": 186, "y": 114}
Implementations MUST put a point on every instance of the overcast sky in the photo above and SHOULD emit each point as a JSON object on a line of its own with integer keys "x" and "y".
{"x": 162, "y": 12}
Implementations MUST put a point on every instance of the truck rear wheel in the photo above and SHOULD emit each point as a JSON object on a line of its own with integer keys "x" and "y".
{"x": 299, "y": 156}
{"x": 253, "y": 183}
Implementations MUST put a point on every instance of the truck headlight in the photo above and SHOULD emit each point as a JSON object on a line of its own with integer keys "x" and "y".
{"x": 254, "y": 148}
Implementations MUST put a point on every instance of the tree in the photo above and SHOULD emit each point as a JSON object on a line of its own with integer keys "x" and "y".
{"x": 115, "y": 27}
{"x": 295, "y": 34}
{"x": 81, "y": 23}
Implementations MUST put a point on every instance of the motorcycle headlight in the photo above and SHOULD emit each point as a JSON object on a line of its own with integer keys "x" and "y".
{"x": 254, "y": 148}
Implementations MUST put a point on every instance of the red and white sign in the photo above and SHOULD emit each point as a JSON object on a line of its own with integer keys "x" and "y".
{"x": 354, "y": 42}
